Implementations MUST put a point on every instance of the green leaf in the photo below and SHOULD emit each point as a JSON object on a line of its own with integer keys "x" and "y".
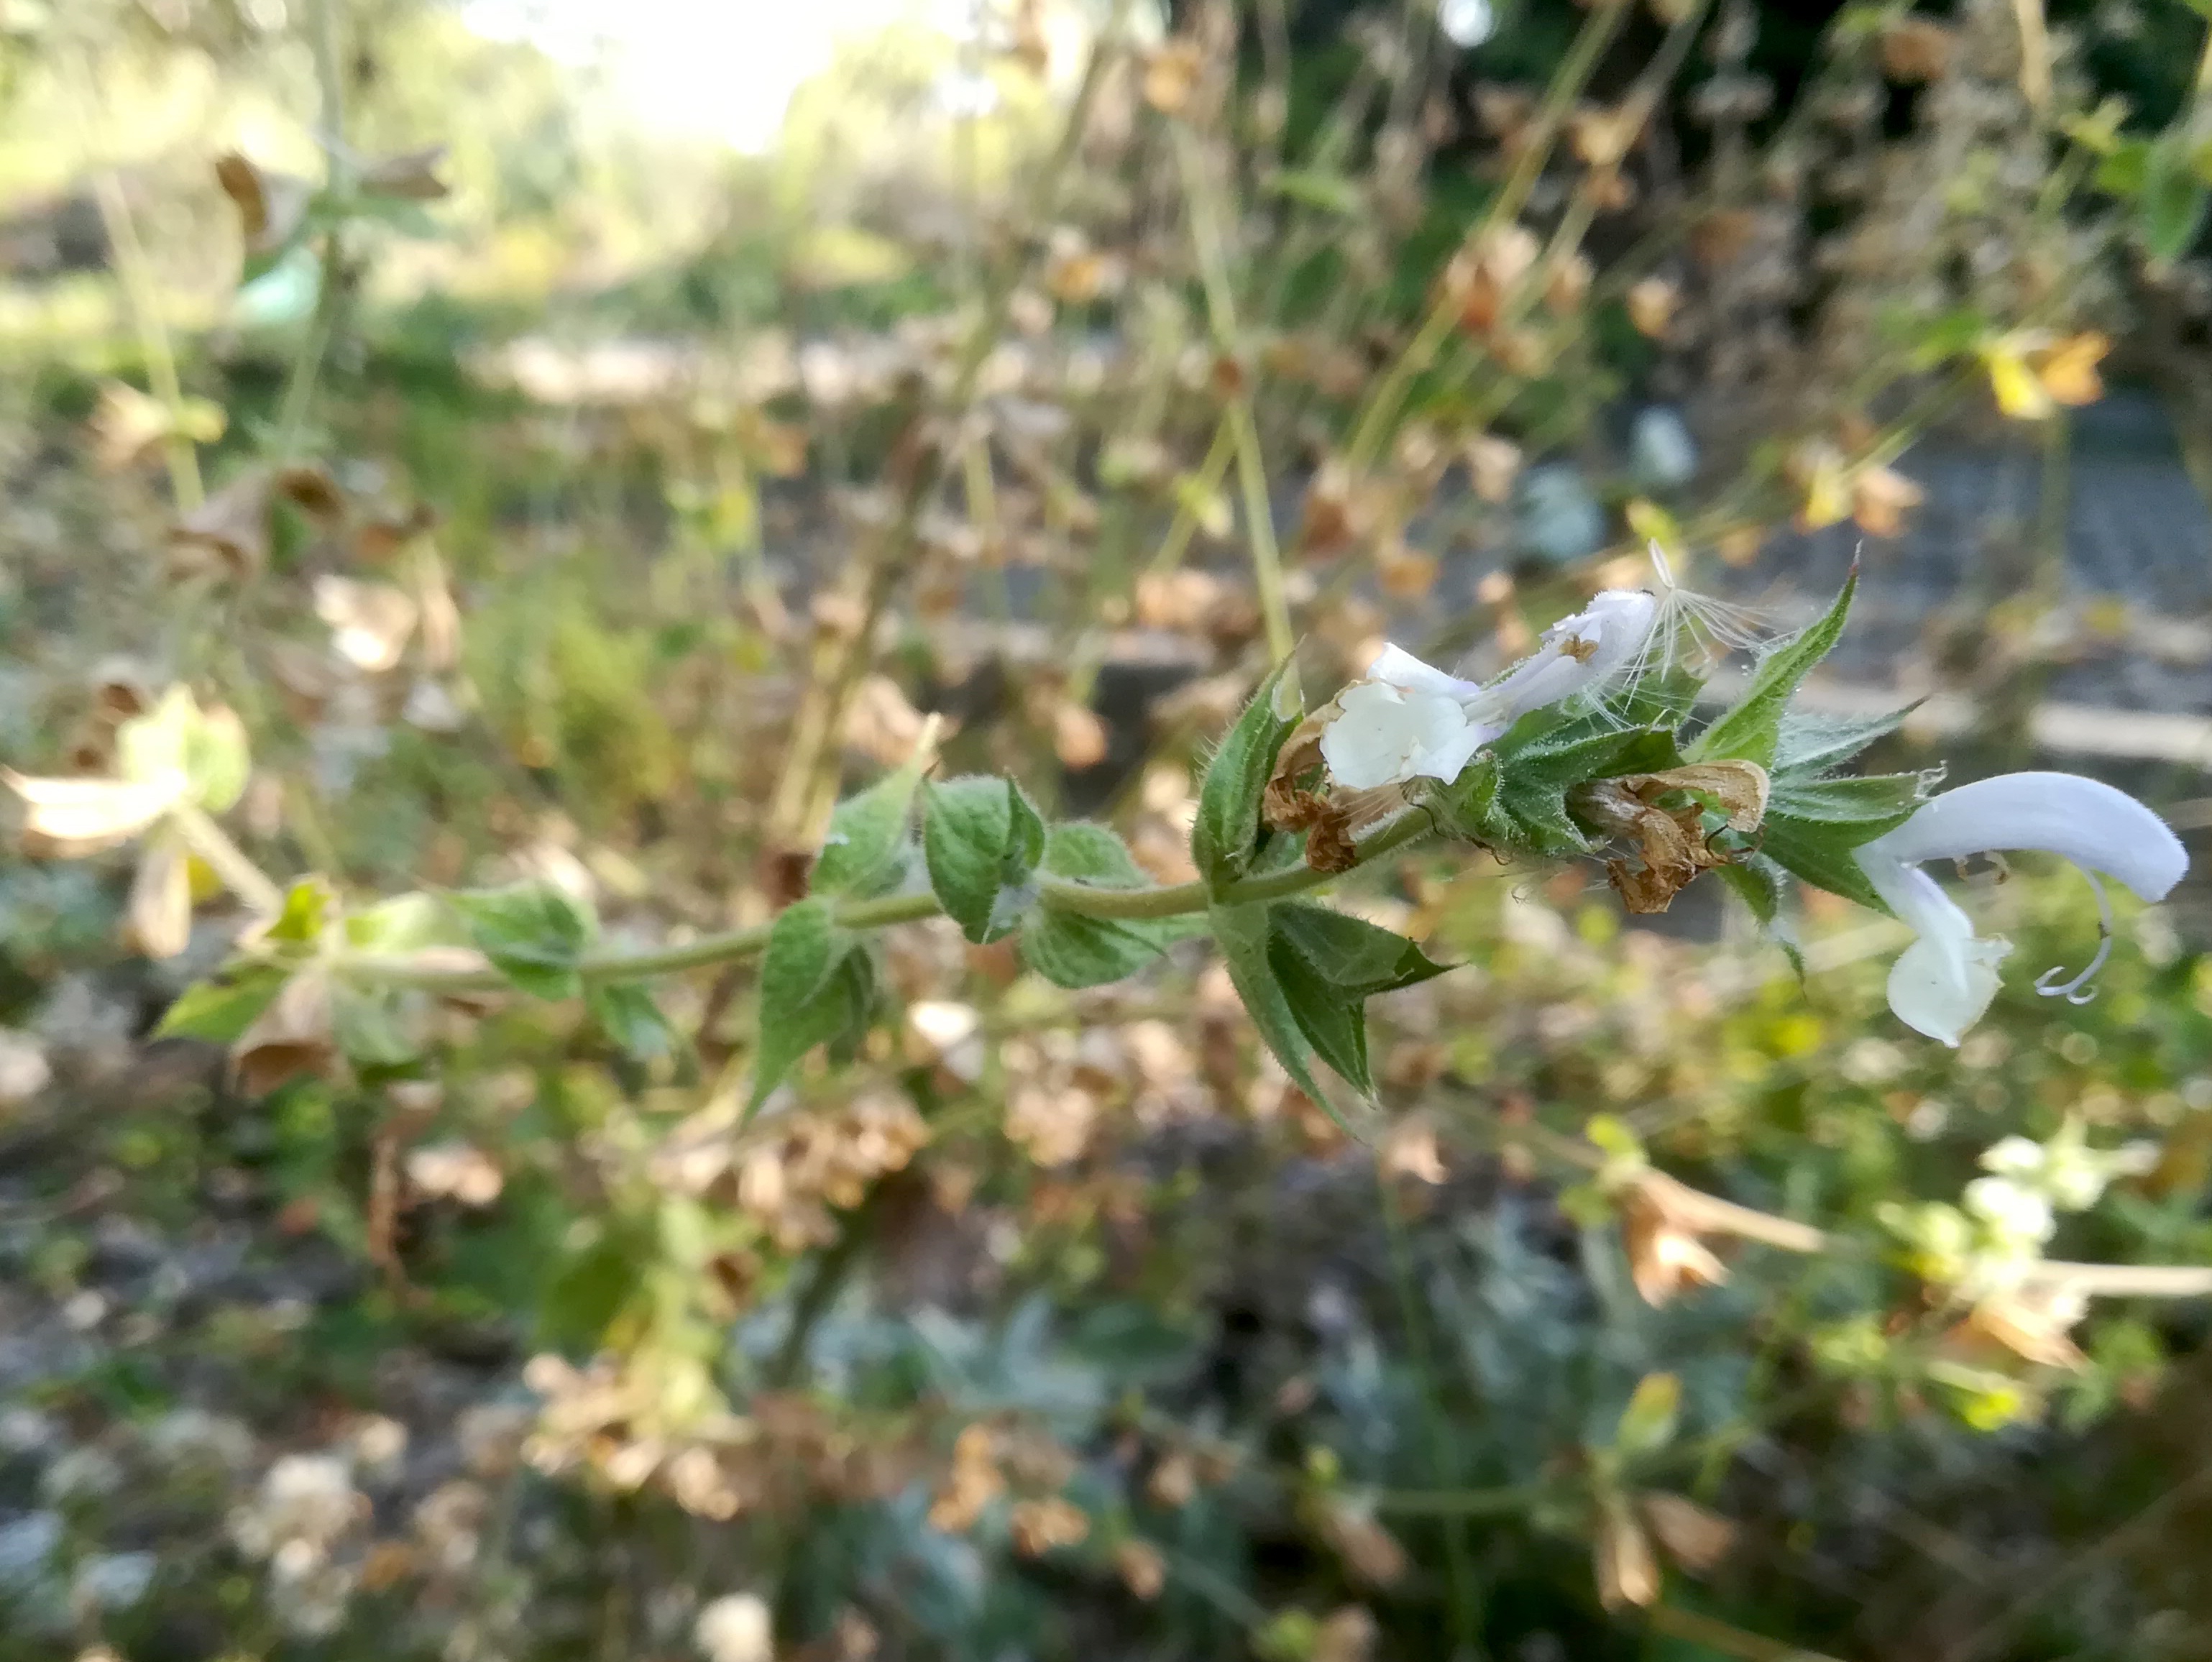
{"x": 533, "y": 932}
{"x": 369, "y": 1028}
{"x": 590, "y": 1287}
{"x": 2126, "y": 170}
{"x": 817, "y": 987}
{"x": 221, "y": 1009}
{"x": 1332, "y": 1022}
{"x": 309, "y": 905}
{"x": 1752, "y": 727}
{"x": 1647, "y": 1424}
{"x": 866, "y": 834}
{"x": 2171, "y": 210}
{"x": 626, "y": 1010}
{"x": 1469, "y": 806}
{"x": 217, "y": 760}
{"x": 1534, "y": 780}
{"x": 1242, "y": 933}
{"x": 1821, "y": 854}
{"x": 403, "y": 924}
{"x": 1330, "y": 192}
{"x": 1227, "y": 829}
{"x": 1072, "y": 949}
{"x": 1759, "y": 881}
{"x": 1810, "y": 744}
{"x": 981, "y": 841}
{"x": 1763, "y": 886}
{"x": 1349, "y": 954}
{"x": 1874, "y": 802}
{"x": 1079, "y": 850}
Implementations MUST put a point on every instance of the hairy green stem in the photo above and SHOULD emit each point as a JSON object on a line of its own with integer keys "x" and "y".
{"x": 1181, "y": 900}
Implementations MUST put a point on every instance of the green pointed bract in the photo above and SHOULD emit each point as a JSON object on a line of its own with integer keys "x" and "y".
{"x": 1751, "y": 728}
{"x": 1244, "y": 934}
{"x": 867, "y": 834}
{"x": 817, "y": 986}
{"x": 1808, "y": 746}
{"x": 1226, "y": 833}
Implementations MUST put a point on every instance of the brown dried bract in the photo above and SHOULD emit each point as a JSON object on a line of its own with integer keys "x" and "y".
{"x": 1484, "y": 272}
{"x": 1693, "y": 1537}
{"x": 292, "y": 1039}
{"x": 1285, "y": 805}
{"x": 411, "y": 175}
{"x": 1664, "y": 1252}
{"x": 271, "y": 206}
{"x": 1671, "y": 844}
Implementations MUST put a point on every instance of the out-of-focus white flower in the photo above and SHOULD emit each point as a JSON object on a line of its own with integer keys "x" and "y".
{"x": 2066, "y": 1171}
{"x": 2017, "y": 1216}
{"x": 307, "y": 1499}
{"x": 1942, "y": 983}
{"x": 1559, "y": 515}
{"x": 736, "y": 1628}
{"x": 1662, "y": 454}
{"x": 1467, "y": 23}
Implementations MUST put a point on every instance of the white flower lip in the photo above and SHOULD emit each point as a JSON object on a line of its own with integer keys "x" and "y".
{"x": 1942, "y": 983}
{"x": 1408, "y": 720}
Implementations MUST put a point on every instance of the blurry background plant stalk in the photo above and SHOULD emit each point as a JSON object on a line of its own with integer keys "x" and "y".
{"x": 808, "y": 787}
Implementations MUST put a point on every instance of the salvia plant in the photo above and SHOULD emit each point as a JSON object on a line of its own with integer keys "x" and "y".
{"x": 1594, "y": 747}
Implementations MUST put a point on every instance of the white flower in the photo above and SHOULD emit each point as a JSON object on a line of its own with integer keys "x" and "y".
{"x": 1942, "y": 983}
{"x": 2015, "y": 1214}
{"x": 1466, "y": 23}
{"x": 1581, "y": 653}
{"x": 735, "y": 1627}
{"x": 1406, "y": 720}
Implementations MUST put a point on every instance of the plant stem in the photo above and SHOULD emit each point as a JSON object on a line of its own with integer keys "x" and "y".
{"x": 307, "y": 369}
{"x": 1206, "y": 481}
{"x": 240, "y": 874}
{"x": 141, "y": 300}
{"x": 1179, "y": 900}
{"x": 827, "y": 1280}
{"x": 1260, "y": 531}
{"x": 1459, "y": 1560}
{"x": 802, "y": 794}
{"x": 1574, "y": 73}
{"x": 1206, "y": 235}
{"x": 1717, "y": 1635}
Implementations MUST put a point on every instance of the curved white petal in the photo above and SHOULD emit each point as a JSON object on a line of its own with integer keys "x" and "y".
{"x": 1395, "y": 666}
{"x": 2081, "y": 819}
{"x": 1620, "y": 621}
{"x": 1580, "y": 653}
{"x": 1935, "y": 990}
